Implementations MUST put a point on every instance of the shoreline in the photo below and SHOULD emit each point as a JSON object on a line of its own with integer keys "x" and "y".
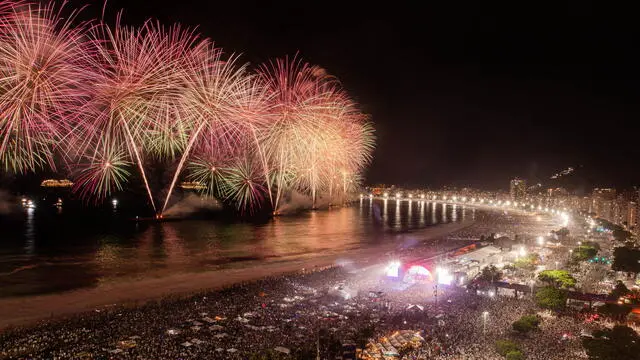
{"x": 28, "y": 311}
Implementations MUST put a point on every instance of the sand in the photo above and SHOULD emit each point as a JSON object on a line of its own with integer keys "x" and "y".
{"x": 25, "y": 311}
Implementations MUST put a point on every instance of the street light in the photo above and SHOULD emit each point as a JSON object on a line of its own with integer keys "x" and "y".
{"x": 484, "y": 322}
{"x": 523, "y": 251}
{"x": 533, "y": 283}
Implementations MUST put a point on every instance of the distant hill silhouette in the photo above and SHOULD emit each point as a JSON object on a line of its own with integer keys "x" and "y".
{"x": 576, "y": 181}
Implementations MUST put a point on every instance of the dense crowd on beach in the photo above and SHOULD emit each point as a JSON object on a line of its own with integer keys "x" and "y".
{"x": 287, "y": 313}
{"x": 298, "y": 316}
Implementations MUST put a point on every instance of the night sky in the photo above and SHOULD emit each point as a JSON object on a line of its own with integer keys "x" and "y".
{"x": 462, "y": 93}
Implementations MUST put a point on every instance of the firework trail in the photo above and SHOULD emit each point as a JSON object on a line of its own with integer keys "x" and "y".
{"x": 221, "y": 103}
{"x": 6, "y": 7}
{"x": 230, "y": 174}
{"x": 44, "y": 74}
{"x": 314, "y": 130}
{"x": 136, "y": 87}
{"x": 294, "y": 89}
{"x": 107, "y": 99}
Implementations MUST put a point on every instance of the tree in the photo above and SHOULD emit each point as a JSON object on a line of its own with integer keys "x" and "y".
{"x": 509, "y": 267}
{"x": 584, "y": 252}
{"x": 620, "y": 234}
{"x": 562, "y": 233}
{"x": 526, "y": 324}
{"x": 619, "y": 290}
{"x": 557, "y": 278}
{"x": 550, "y": 297}
{"x": 614, "y": 311}
{"x": 490, "y": 274}
{"x": 515, "y": 355}
{"x": 626, "y": 259}
{"x": 593, "y": 244}
{"x": 527, "y": 262}
{"x": 305, "y": 353}
{"x": 363, "y": 335}
{"x": 618, "y": 343}
{"x": 503, "y": 347}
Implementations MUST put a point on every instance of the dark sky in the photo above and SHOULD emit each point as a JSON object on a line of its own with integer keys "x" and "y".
{"x": 461, "y": 93}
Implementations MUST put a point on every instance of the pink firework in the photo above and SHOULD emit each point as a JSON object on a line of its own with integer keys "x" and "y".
{"x": 221, "y": 104}
{"x": 135, "y": 92}
{"x": 108, "y": 100}
{"x": 314, "y": 131}
{"x": 293, "y": 87}
{"x": 7, "y": 6}
{"x": 44, "y": 73}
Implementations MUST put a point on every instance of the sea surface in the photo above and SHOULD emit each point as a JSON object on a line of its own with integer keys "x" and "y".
{"x": 47, "y": 250}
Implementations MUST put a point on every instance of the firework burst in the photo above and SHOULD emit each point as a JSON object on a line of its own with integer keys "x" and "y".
{"x": 105, "y": 100}
{"x": 44, "y": 74}
{"x": 136, "y": 89}
{"x": 243, "y": 185}
{"x": 221, "y": 103}
{"x": 106, "y": 172}
{"x": 210, "y": 172}
{"x": 313, "y": 131}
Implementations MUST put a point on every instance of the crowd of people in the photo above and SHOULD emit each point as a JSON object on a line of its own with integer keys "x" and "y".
{"x": 467, "y": 334}
{"x": 289, "y": 316}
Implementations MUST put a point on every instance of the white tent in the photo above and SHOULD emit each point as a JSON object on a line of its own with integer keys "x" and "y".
{"x": 282, "y": 349}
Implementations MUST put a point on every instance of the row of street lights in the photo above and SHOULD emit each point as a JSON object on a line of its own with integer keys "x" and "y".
{"x": 464, "y": 199}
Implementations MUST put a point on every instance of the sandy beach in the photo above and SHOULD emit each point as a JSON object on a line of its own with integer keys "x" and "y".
{"x": 24, "y": 311}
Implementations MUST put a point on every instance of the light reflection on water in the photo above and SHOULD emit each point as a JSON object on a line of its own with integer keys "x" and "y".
{"x": 64, "y": 253}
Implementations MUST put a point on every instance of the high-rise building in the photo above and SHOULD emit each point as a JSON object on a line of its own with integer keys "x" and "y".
{"x": 518, "y": 189}
{"x": 620, "y": 207}
{"x": 603, "y": 201}
{"x": 632, "y": 215}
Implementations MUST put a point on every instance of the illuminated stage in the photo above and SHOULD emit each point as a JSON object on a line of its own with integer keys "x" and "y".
{"x": 418, "y": 273}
